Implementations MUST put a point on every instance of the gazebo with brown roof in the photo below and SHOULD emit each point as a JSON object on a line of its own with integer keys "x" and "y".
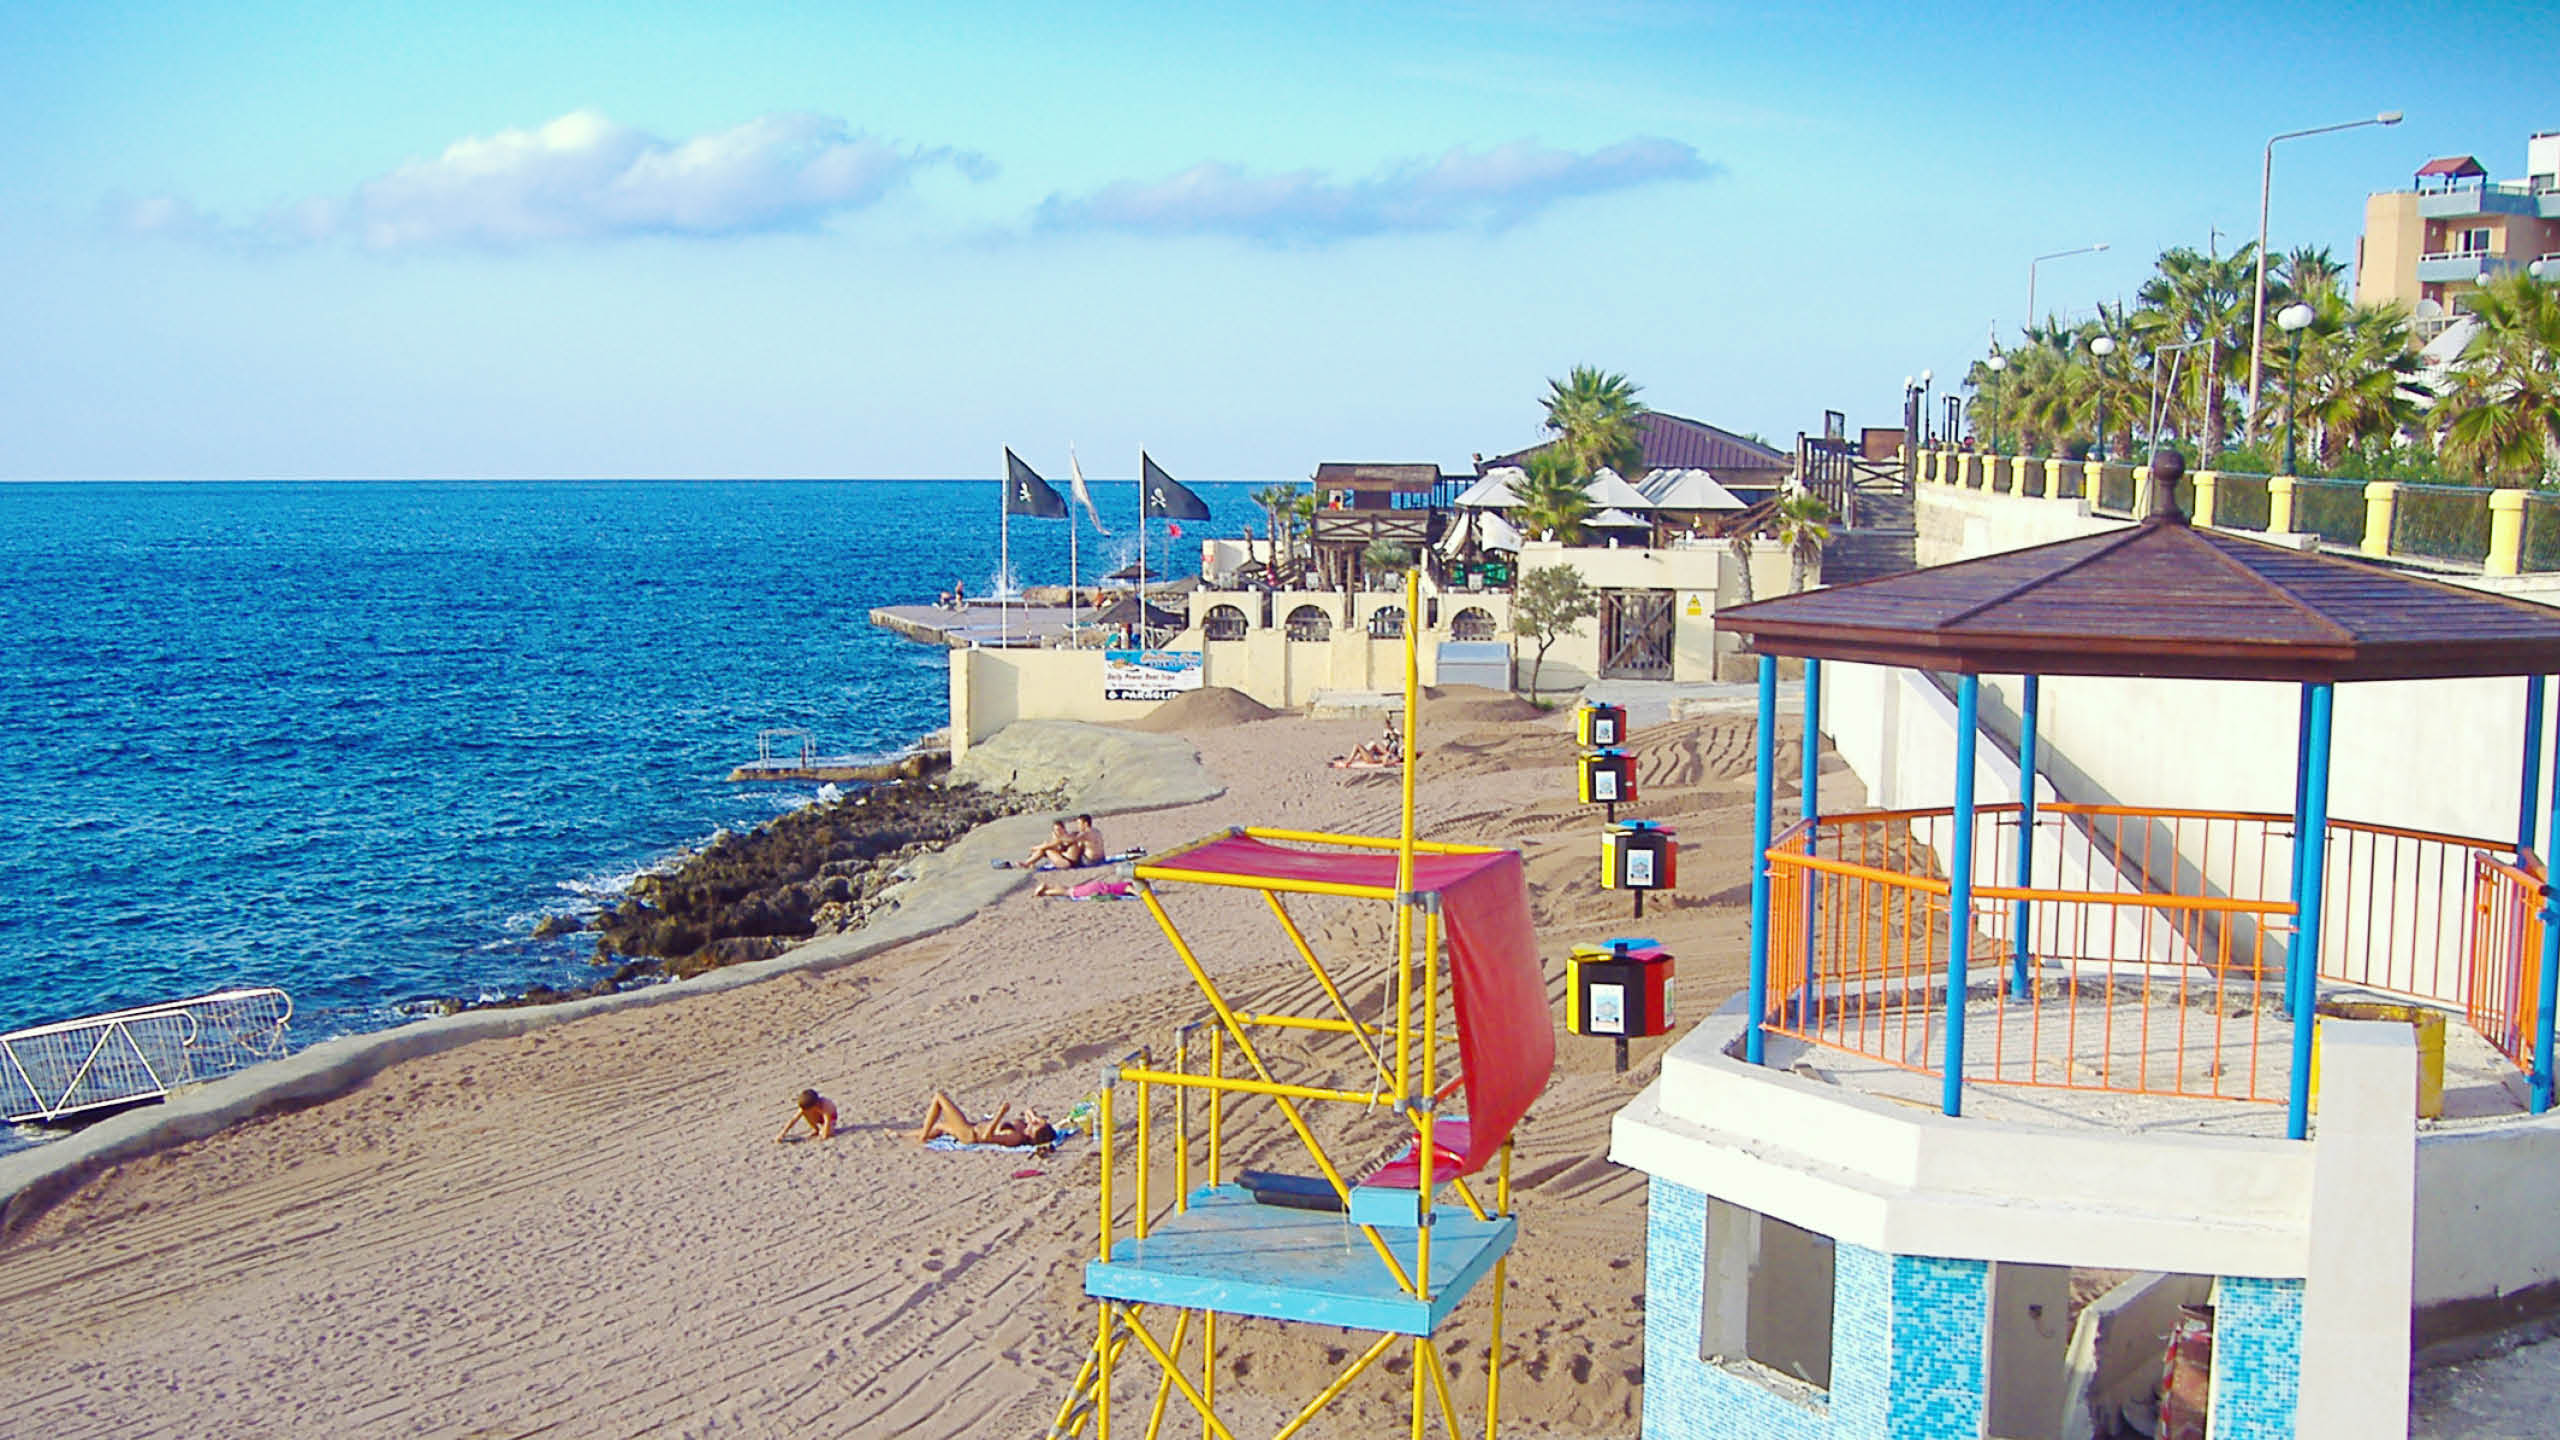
{"x": 2156, "y": 599}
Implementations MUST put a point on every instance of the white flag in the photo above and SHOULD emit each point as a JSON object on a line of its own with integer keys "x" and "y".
{"x": 1082, "y": 493}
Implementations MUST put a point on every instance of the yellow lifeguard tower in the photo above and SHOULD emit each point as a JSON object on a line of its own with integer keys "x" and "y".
{"x": 1374, "y": 1248}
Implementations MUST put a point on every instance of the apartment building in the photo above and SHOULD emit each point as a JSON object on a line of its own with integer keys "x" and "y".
{"x": 2454, "y": 229}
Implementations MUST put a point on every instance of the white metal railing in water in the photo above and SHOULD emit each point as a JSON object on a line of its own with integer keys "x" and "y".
{"x": 50, "y": 1071}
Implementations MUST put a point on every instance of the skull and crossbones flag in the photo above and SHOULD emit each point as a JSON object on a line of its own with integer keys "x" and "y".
{"x": 1025, "y": 493}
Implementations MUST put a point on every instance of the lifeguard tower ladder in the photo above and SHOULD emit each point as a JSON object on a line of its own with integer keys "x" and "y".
{"x": 1380, "y": 1249}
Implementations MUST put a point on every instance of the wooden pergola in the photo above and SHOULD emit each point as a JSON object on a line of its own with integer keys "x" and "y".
{"x": 2156, "y": 599}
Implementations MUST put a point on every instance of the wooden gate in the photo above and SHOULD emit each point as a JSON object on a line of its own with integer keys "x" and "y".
{"x": 1635, "y": 634}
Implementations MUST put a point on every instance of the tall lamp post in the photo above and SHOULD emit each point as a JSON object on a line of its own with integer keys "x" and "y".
{"x": 1991, "y": 412}
{"x": 2056, "y": 255}
{"x": 2102, "y": 346}
{"x": 1924, "y": 409}
{"x": 2258, "y": 308}
{"x": 2292, "y": 320}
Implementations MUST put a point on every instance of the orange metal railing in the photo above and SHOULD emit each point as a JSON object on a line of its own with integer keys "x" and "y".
{"x": 2505, "y": 963}
{"x": 2156, "y": 941}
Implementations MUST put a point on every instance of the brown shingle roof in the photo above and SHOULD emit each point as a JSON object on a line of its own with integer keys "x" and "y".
{"x": 1673, "y": 442}
{"x": 2162, "y": 599}
{"x": 1350, "y": 475}
{"x": 2463, "y": 166}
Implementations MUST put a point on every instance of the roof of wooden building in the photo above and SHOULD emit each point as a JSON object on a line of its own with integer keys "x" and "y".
{"x": 1673, "y": 442}
{"x": 2162, "y": 598}
{"x": 1362, "y": 475}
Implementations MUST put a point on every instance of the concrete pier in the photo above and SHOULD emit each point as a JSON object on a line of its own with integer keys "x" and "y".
{"x": 979, "y": 623}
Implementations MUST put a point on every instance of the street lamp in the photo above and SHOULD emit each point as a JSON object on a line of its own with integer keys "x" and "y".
{"x": 1924, "y": 409}
{"x": 2164, "y": 366}
{"x": 2056, "y": 255}
{"x": 1991, "y": 413}
{"x": 2258, "y": 309}
{"x": 2292, "y": 320}
{"x": 2102, "y": 346}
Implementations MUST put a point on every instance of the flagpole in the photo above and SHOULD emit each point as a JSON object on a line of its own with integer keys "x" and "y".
{"x": 1004, "y": 560}
{"x": 1073, "y": 571}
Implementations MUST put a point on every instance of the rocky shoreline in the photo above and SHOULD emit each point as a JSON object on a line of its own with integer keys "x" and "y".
{"x": 818, "y": 870}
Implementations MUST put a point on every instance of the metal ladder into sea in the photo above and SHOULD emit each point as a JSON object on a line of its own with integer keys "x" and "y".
{"x": 50, "y": 1072}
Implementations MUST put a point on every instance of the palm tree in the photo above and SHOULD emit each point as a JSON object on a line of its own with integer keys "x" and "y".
{"x": 2201, "y": 300}
{"x": 2307, "y": 274}
{"x": 1593, "y": 413}
{"x": 1552, "y": 499}
{"x": 1738, "y": 544}
{"x": 1804, "y": 523}
{"x": 2355, "y": 383}
{"x": 1280, "y": 502}
{"x": 2501, "y": 416}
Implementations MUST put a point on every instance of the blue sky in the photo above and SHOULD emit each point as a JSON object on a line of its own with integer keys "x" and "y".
{"x": 865, "y": 240}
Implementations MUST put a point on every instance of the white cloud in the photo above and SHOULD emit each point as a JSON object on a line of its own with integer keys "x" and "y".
{"x": 1461, "y": 190}
{"x": 583, "y": 177}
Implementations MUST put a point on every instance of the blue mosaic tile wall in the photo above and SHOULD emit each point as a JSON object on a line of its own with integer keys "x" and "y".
{"x": 1906, "y": 1345}
{"x": 2257, "y": 1358}
{"x": 1940, "y": 1308}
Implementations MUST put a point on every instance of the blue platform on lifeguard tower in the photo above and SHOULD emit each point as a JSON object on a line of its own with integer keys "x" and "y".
{"x": 1233, "y": 1255}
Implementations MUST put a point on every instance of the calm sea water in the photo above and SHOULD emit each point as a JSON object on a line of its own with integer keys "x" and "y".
{"x": 356, "y": 739}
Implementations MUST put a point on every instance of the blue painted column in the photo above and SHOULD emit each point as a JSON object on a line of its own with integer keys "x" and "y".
{"x": 2547, "y": 991}
{"x": 2532, "y": 766}
{"x": 2020, "y": 985}
{"x": 1960, "y": 890}
{"x": 1812, "y": 817}
{"x": 1763, "y": 801}
{"x": 2305, "y": 971}
{"x": 2301, "y": 834}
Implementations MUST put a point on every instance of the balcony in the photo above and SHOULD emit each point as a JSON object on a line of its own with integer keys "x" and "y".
{"x": 2464, "y": 267}
{"x": 2486, "y": 197}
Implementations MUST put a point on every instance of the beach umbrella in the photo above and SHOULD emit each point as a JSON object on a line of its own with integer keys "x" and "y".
{"x": 1492, "y": 532}
{"x": 1689, "y": 490}
{"x": 1126, "y": 610}
{"x": 1493, "y": 491}
{"x": 1609, "y": 492}
{"x": 1616, "y": 519}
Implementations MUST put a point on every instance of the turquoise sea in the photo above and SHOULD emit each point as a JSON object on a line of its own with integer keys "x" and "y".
{"x": 356, "y": 739}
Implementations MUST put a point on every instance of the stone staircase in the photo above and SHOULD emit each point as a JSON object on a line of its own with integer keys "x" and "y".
{"x": 1883, "y": 544}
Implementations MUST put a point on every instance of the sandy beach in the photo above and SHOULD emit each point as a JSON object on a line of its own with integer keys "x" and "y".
{"x": 589, "y": 1229}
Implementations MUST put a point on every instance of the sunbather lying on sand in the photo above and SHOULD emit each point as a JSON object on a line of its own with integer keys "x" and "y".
{"x": 943, "y": 1116}
{"x": 1388, "y": 749}
{"x": 815, "y": 1111}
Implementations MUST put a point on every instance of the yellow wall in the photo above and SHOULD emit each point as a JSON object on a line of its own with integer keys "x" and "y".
{"x": 2387, "y": 257}
{"x": 991, "y": 689}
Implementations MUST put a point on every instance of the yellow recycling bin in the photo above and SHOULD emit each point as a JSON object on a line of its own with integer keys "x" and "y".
{"x": 2429, "y": 1024}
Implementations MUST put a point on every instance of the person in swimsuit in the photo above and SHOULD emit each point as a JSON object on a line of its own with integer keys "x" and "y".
{"x": 815, "y": 1111}
{"x": 1089, "y": 849}
{"x": 1059, "y": 854}
{"x": 943, "y": 1116}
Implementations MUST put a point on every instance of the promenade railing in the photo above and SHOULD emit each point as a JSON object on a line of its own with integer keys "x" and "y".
{"x": 2460, "y": 527}
{"x": 2148, "y": 955}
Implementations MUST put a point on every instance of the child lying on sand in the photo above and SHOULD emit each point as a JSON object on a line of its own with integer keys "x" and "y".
{"x": 943, "y": 1116}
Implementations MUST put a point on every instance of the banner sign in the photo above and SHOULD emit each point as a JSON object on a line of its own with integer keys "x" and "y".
{"x": 1150, "y": 674}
